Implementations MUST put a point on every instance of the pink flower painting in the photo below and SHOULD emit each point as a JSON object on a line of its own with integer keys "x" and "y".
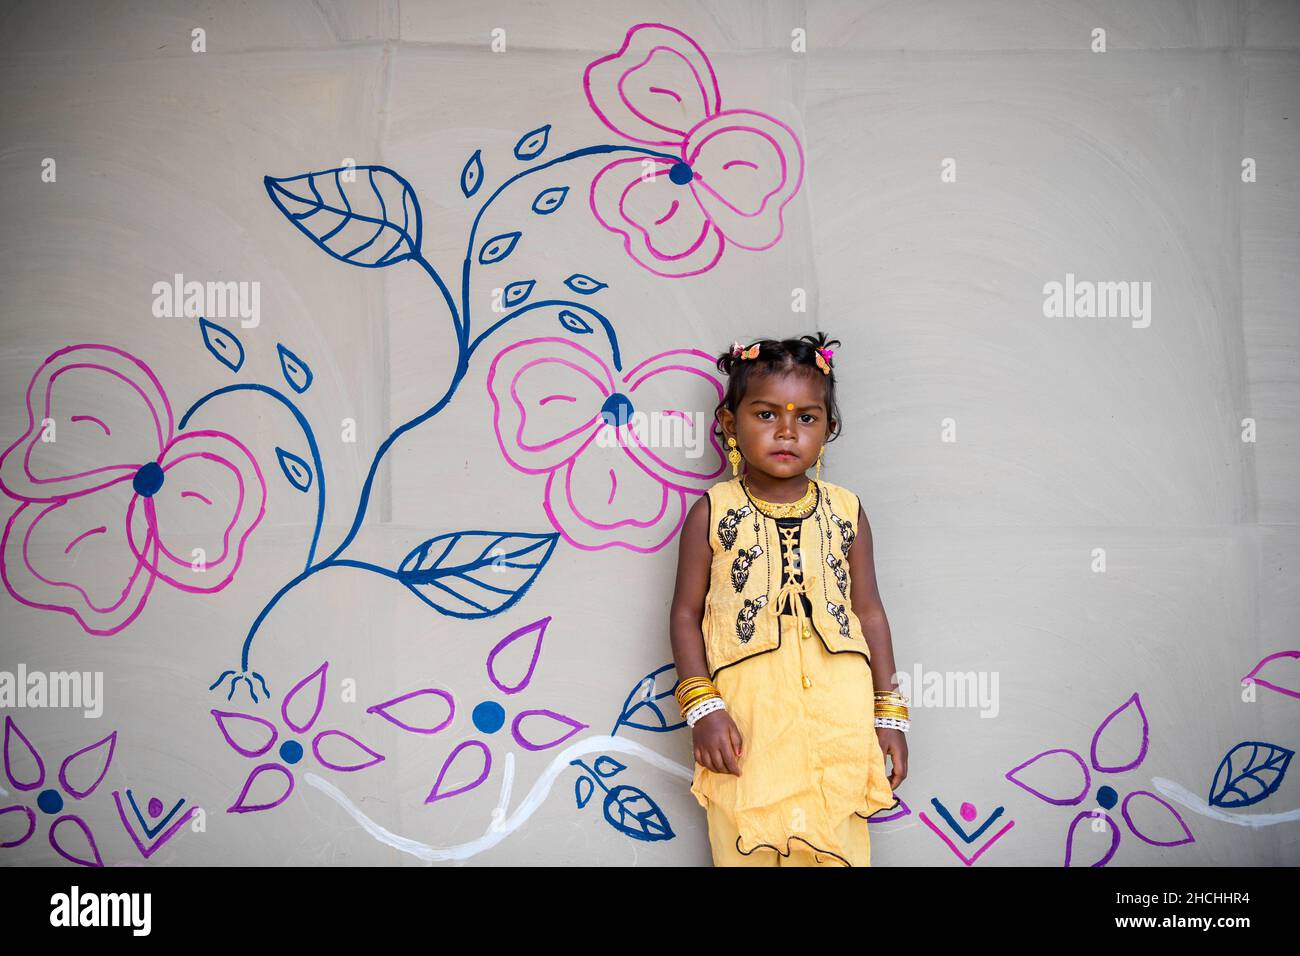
{"x": 613, "y": 476}
{"x": 110, "y": 499}
{"x": 728, "y": 175}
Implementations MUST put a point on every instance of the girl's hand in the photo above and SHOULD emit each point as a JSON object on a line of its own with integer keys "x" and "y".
{"x": 718, "y": 743}
{"x": 894, "y": 745}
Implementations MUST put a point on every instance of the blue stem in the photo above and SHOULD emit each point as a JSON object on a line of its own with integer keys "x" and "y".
{"x": 466, "y": 349}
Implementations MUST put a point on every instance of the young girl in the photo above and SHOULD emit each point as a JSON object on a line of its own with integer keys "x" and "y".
{"x": 782, "y": 647}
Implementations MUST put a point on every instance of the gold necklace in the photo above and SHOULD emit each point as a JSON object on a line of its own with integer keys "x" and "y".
{"x": 784, "y": 509}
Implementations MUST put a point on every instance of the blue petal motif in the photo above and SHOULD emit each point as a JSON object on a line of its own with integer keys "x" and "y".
{"x": 473, "y": 574}
{"x": 498, "y": 247}
{"x": 531, "y": 145}
{"x": 549, "y": 200}
{"x": 296, "y": 372}
{"x": 471, "y": 177}
{"x": 607, "y": 766}
{"x": 583, "y": 788}
{"x": 223, "y": 344}
{"x": 584, "y": 285}
{"x": 574, "y": 322}
{"x": 295, "y": 469}
{"x": 371, "y": 221}
{"x": 1248, "y": 773}
{"x": 517, "y": 292}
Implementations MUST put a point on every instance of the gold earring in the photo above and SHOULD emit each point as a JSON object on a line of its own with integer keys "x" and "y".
{"x": 819, "y": 463}
{"x": 733, "y": 456}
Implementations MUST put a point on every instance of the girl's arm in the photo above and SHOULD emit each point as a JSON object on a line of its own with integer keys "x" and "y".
{"x": 718, "y": 742}
{"x": 875, "y": 628}
{"x": 687, "y": 612}
{"x": 868, "y": 606}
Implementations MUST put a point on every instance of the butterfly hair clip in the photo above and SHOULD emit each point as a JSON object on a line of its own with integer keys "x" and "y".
{"x": 749, "y": 353}
{"x": 824, "y": 360}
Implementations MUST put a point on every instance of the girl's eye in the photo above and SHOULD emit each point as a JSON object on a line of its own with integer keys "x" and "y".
{"x": 764, "y": 412}
{"x": 811, "y": 418}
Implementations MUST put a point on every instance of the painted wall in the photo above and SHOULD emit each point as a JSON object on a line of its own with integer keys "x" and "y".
{"x": 363, "y": 579}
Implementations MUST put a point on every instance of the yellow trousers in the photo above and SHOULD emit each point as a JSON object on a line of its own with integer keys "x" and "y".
{"x": 853, "y": 834}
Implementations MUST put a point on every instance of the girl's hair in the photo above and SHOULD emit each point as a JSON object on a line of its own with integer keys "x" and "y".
{"x": 779, "y": 357}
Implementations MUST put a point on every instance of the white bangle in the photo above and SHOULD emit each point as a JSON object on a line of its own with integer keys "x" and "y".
{"x": 704, "y": 707}
{"x": 897, "y": 723}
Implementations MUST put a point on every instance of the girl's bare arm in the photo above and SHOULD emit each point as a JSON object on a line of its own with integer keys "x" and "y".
{"x": 717, "y": 740}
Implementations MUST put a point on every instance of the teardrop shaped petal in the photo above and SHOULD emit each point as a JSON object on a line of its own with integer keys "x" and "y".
{"x": 15, "y": 744}
{"x": 1281, "y": 677}
{"x": 87, "y": 759}
{"x": 1061, "y": 768}
{"x": 1154, "y": 815}
{"x": 408, "y": 720}
{"x": 87, "y": 855}
{"x": 270, "y": 770}
{"x": 555, "y": 719}
{"x": 31, "y": 825}
{"x": 355, "y": 750}
{"x": 481, "y": 757}
{"x": 246, "y": 734}
{"x": 530, "y": 642}
{"x": 1122, "y": 738}
{"x": 1070, "y": 837}
{"x": 308, "y": 692}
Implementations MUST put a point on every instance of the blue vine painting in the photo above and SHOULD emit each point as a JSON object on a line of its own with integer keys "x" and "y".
{"x": 685, "y": 183}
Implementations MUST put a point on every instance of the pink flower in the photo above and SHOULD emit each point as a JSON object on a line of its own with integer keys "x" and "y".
{"x": 732, "y": 174}
{"x": 614, "y": 477}
{"x": 252, "y": 736}
{"x": 111, "y": 498}
{"x": 510, "y": 667}
{"x": 79, "y": 776}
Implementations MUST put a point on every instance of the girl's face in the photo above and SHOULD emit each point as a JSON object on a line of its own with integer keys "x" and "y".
{"x": 781, "y": 423}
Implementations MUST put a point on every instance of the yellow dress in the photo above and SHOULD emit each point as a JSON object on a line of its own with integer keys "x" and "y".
{"x": 810, "y": 758}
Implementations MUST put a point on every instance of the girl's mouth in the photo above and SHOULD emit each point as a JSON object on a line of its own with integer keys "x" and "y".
{"x": 785, "y": 455}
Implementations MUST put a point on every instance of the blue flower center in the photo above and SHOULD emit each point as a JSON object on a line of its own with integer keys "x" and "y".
{"x": 1107, "y": 797}
{"x": 681, "y": 174}
{"x": 291, "y": 751}
{"x": 617, "y": 410}
{"x": 51, "y": 801}
{"x": 489, "y": 716}
{"x": 148, "y": 480}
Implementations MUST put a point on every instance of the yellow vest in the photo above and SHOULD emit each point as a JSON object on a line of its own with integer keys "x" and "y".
{"x": 746, "y": 594}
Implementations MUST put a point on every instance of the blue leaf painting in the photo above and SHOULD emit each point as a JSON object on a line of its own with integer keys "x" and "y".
{"x": 574, "y": 322}
{"x": 583, "y": 788}
{"x": 296, "y": 372}
{"x": 223, "y": 344}
{"x": 531, "y": 145}
{"x": 549, "y": 200}
{"x": 471, "y": 177}
{"x": 652, "y": 703}
{"x": 631, "y": 810}
{"x": 517, "y": 292}
{"x": 498, "y": 247}
{"x": 1249, "y": 773}
{"x": 295, "y": 469}
{"x": 473, "y": 574}
{"x": 607, "y": 766}
{"x": 584, "y": 285}
{"x": 366, "y": 216}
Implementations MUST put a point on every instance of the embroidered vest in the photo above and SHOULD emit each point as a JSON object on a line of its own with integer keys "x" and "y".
{"x": 748, "y": 590}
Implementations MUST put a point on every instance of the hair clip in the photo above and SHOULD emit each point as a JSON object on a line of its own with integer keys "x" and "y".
{"x": 824, "y": 360}
{"x": 749, "y": 353}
